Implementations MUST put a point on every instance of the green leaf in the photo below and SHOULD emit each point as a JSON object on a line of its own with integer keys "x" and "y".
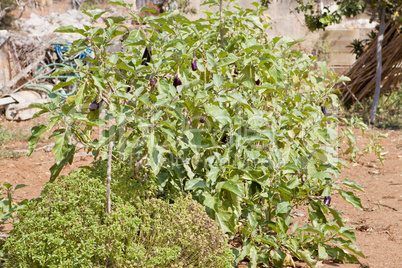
{"x": 211, "y": 60}
{"x": 322, "y": 253}
{"x": 63, "y": 70}
{"x": 118, "y": 2}
{"x": 217, "y": 80}
{"x": 337, "y": 216}
{"x": 283, "y": 208}
{"x": 278, "y": 257}
{"x": 306, "y": 257}
{"x": 281, "y": 224}
{"x": 116, "y": 20}
{"x": 157, "y": 159}
{"x": 219, "y": 114}
{"x": 230, "y": 59}
{"x": 231, "y": 188}
{"x": 353, "y": 185}
{"x": 327, "y": 191}
{"x": 269, "y": 240}
{"x": 70, "y": 81}
{"x": 225, "y": 219}
{"x": 351, "y": 247}
{"x": 256, "y": 21}
{"x": 94, "y": 14}
{"x": 19, "y": 186}
{"x": 190, "y": 85}
{"x": 343, "y": 79}
{"x": 323, "y": 67}
{"x": 36, "y": 132}
{"x": 145, "y": 9}
{"x": 348, "y": 233}
{"x": 124, "y": 66}
{"x": 351, "y": 199}
{"x": 61, "y": 146}
{"x": 69, "y": 29}
{"x": 57, "y": 168}
{"x": 253, "y": 257}
{"x": 194, "y": 184}
{"x": 123, "y": 95}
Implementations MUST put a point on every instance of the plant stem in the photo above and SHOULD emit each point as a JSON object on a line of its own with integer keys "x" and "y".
{"x": 109, "y": 177}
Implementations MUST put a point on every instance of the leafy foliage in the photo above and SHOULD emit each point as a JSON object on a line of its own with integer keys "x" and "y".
{"x": 69, "y": 227}
{"x": 320, "y": 19}
{"x": 7, "y": 205}
{"x": 244, "y": 132}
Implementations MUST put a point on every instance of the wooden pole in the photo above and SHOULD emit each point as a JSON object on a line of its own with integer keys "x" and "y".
{"x": 380, "y": 38}
{"x": 109, "y": 177}
{"x": 221, "y": 11}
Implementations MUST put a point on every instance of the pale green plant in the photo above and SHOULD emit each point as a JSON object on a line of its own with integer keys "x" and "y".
{"x": 246, "y": 132}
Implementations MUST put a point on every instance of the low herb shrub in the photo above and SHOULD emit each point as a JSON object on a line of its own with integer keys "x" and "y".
{"x": 68, "y": 227}
{"x": 128, "y": 182}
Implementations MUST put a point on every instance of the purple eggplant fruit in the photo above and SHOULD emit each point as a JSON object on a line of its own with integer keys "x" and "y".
{"x": 194, "y": 65}
{"x": 324, "y": 110}
{"x": 225, "y": 138}
{"x": 176, "y": 82}
{"x": 189, "y": 121}
{"x": 327, "y": 201}
{"x": 258, "y": 82}
{"x": 146, "y": 56}
{"x": 95, "y": 105}
{"x": 235, "y": 72}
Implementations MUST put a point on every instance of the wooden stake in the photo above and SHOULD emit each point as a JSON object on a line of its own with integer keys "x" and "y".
{"x": 109, "y": 177}
{"x": 221, "y": 11}
{"x": 373, "y": 110}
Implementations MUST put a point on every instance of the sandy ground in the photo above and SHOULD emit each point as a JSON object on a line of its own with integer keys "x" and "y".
{"x": 378, "y": 226}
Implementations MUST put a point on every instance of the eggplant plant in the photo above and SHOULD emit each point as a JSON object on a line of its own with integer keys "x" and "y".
{"x": 242, "y": 130}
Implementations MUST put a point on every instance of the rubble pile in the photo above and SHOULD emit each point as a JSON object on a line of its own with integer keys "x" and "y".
{"x": 37, "y": 26}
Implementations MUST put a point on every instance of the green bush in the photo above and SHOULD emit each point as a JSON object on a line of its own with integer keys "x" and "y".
{"x": 216, "y": 108}
{"x": 68, "y": 227}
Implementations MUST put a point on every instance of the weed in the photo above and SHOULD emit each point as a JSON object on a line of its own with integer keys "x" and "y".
{"x": 10, "y": 154}
{"x": 7, "y": 135}
{"x": 389, "y": 111}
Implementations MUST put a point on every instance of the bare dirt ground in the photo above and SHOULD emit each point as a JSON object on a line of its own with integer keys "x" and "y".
{"x": 378, "y": 226}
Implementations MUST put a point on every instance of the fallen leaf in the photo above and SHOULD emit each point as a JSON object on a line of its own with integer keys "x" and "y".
{"x": 288, "y": 261}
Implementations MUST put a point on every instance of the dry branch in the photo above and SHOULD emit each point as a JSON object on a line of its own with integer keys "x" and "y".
{"x": 6, "y": 10}
{"x": 363, "y": 72}
{"x": 22, "y": 74}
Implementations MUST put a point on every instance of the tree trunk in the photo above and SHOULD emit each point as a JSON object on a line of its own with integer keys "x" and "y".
{"x": 109, "y": 177}
{"x": 380, "y": 38}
